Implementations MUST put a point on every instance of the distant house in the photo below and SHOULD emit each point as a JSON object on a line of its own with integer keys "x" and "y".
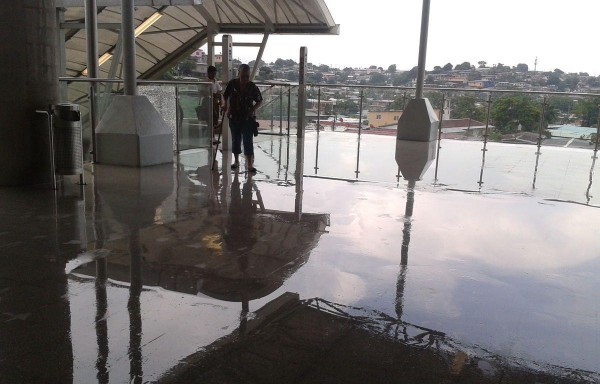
{"x": 481, "y": 84}
{"x": 383, "y": 118}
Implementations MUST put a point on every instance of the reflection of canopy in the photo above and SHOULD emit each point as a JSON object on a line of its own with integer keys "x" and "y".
{"x": 194, "y": 256}
{"x": 313, "y": 341}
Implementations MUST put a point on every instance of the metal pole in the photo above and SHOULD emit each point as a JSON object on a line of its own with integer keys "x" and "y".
{"x": 48, "y": 113}
{"x": 127, "y": 30}
{"x": 422, "y": 49}
{"x": 179, "y": 116}
{"x": 541, "y": 128}
{"x": 93, "y": 117}
{"x": 318, "y": 110}
{"x": 597, "y": 134}
{"x": 439, "y": 146}
{"x": 272, "y": 112}
{"x": 211, "y": 123}
{"x": 485, "y": 138}
{"x": 301, "y": 95}
{"x": 318, "y": 129}
{"x": 289, "y": 110}
{"x": 227, "y": 74}
{"x": 91, "y": 34}
{"x": 360, "y": 113}
{"x": 299, "y": 177}
{"x": 281, "y": 110}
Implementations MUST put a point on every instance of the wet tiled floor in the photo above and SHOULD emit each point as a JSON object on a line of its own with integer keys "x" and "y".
{"x": 176, "y": 274}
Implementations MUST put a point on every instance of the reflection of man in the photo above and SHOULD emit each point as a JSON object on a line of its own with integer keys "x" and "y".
{"x": 244, "y": 98}
{"x": 241, "y": 237}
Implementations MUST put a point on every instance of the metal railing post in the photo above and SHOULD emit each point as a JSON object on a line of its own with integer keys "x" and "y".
{"x": 318, "y": 110}
{"x": 178, "y": 118}
{"x": 50, "y": 117}
{"x": 597, "y": 134}
{"x": 360, "y": 112}
{"x": 289, "y": 110}
{"x": 439, "y": 146}
{"x": 318, "y": 129}
{"x": 485, "y": 140}
{"x": 281, "y": 110}
{"x": 541, "y": 127}
{"x": 272, "y": 113}
{"x": 211, "y": 123}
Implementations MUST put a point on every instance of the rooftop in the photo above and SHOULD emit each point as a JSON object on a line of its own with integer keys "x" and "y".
{"x": 176, "y": 274}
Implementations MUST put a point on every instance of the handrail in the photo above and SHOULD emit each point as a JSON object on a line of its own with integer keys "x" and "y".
{"x": 166, "y": 82}
{"x": 119, "y": 81}
{"x": 392, "y": 87}
{"x": 322, "y": 85}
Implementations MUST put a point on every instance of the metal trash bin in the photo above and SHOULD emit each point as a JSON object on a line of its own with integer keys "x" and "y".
{"x": 68, "y": 144}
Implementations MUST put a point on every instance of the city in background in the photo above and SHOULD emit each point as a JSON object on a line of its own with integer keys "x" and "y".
{"x": 461, "y": 91}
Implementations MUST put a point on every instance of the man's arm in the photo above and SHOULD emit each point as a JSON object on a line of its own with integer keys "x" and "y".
{"x": 225, "y": 96}
{"x": 258, "y": 100}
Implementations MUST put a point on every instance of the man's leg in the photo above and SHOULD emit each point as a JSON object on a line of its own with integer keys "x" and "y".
{"x": 248, "y": 137}
{"x": 236, "y": 142}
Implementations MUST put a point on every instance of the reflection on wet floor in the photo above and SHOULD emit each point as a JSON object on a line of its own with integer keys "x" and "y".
{"x": 179, "y": 274}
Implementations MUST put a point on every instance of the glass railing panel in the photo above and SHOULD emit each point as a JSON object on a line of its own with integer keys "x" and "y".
{"x": 194, "y": 116}
{"x": 163, "y": 99}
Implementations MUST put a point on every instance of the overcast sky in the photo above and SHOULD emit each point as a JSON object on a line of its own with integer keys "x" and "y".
{"x": 563, "y": 34}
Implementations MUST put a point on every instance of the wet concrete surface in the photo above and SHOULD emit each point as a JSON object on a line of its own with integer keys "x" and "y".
{"x": 176, "y": 274}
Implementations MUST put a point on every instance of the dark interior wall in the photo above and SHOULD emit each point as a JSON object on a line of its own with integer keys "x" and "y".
{"x": 29, "y": 70}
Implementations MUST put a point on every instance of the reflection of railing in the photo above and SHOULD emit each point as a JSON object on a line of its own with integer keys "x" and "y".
{"x": 390, "y": 329}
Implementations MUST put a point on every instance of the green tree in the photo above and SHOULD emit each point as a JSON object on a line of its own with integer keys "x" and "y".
{"x": 435, "y": 99}
{"x": 405, "y": 77}
{"x": 324, "y": 68}
{"x": 587, "y": 111}
{"x": 522, "y": 67}
{"x": 346, "y": 107}
{"x": 571, "y": 81}
{"x": 447, "y": 67}
{"x": 563, "y": 104}
{"x": 465, "y": 107}
{"x": 260, "y": 63}
{"x": 463, "y": 67}
{"x": 437, "y": 69}
{"x": 510, "y": 111}
{"x": 482, "y": 63}
{"x": 377, "y": 79}
{"x": 392, "y": 68}
{"x": 554, "y": 79}
{"x": 265, "y": 73}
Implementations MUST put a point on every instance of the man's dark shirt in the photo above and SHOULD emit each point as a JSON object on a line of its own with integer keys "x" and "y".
{"x": 241, "y": 102}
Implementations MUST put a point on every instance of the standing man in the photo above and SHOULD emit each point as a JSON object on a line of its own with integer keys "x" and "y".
{"x": 217, "y": 93}
{"x": 242, "y": 99}
{"x": 203, "y": 109}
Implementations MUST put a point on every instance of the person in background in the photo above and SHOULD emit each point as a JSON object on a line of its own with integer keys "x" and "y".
{"x": 241, "y": 100}
{"x": 217, "y": 92}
